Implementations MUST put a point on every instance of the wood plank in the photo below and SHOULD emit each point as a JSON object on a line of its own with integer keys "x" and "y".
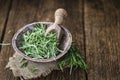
{"x": 102, "y": 29}
{"x": 22, "y": 13}
{"x": 4, "y": 9}
{"x": 27, "y": 11}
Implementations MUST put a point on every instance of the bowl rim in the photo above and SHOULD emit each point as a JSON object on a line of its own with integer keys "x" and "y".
{"x": 34, "y": 59}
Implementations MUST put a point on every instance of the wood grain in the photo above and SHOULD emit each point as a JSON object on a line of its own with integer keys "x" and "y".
{"x": 4, "y": 10}
{"x": 102, "y": 29}
{"x": 22, "y": 13}
{"x": 27, "y": 11}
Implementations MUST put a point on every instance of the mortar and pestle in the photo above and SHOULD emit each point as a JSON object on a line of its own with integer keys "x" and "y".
{"x": 63, "y": 34}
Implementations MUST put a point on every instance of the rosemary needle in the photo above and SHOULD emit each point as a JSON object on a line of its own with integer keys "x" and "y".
{"x": 4, "y": 44}
{"x": 37, "y": 45}
{"x": 33, "y": 69}
{"x": 73, "y": 59}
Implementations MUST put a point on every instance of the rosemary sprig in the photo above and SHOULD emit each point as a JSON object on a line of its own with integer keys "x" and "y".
{"x": 73, "y": 59}
{"x": 24, "y": 63}
{"x": 37, "y": 45}
{"x": 4, "y": 44}
{"x": 33, "y": 69}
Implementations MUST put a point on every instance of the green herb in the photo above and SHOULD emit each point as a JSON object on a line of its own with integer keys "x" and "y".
{"x": 37, "y": 45}
{"x": 24, "y": 63}
{"x": 22, "y": 60}
{"x": 73, "y": 59}
{"x": 4, "y": 44}
{"x": 33, "y": 69}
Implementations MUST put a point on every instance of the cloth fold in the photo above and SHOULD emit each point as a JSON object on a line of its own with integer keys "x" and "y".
{"x": 42, "y": 69}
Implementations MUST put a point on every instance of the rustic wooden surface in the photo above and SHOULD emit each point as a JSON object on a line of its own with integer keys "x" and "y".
{"x": 94, "y": 24}
{"x": 4, "y": 10}
{"x": 102, "y": 29}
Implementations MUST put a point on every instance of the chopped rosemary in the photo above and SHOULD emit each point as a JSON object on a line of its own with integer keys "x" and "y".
{"x": 33, "y": 69}
{"x": 4, "y": 44}
{"x": 73, "y": 59}
{"x": 37, "y": 45}
{"x": 24, "y": 63}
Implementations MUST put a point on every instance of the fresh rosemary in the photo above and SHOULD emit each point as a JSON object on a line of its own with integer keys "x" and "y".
{"x": 4, "y": 44}
{"x": 24, "y": 63}
{"x": 37, "y": 45}
{"x": 73, "y": 59}
{"x": 33, "y": 69}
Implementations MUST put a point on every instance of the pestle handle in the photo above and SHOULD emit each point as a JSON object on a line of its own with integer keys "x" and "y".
{"x": 60, "y": 15}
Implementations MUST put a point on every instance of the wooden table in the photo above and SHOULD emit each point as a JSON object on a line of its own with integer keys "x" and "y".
{"x": 94, "y": 24}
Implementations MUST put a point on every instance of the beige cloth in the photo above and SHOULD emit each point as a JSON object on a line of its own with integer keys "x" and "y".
{"x": 43, "y": 69}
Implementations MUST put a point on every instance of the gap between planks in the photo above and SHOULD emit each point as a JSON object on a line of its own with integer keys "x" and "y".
{"x": 5, "y": 23}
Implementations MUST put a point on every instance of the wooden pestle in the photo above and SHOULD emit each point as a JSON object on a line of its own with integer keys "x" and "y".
{"x": 60, "y": 15}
